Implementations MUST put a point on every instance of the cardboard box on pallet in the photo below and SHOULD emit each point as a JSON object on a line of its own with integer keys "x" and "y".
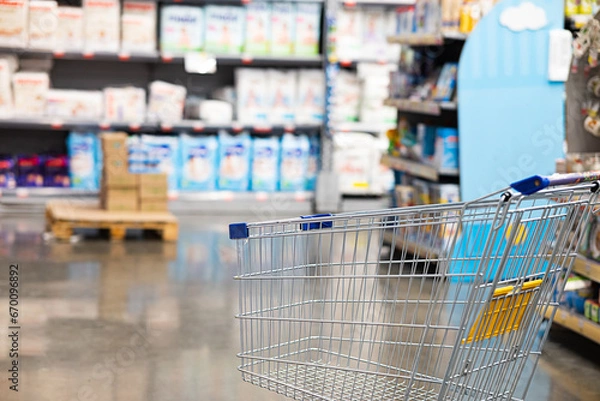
{"x": 154, "y": 205}
{"x": 114, "y": 144}
{"x": 119, "y": 199}
{"x": 152, "y": 186}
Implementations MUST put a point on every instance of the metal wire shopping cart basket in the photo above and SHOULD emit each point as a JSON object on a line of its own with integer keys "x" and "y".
{"x": 452, "y": 310}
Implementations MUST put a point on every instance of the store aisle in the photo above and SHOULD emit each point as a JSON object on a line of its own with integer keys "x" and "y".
{"x": 149, "y": 321}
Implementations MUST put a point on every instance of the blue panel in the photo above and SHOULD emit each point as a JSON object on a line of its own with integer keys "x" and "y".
{"x": 511, "y": 118}
{"x": 316, "y": 225}
{"x": 238, "y": 231}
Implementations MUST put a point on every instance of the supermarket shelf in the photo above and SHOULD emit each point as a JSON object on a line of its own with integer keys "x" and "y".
{"x": 417, "y": 169}
{"x": 588, "y": 268}
{"x": 575, "y": 322}
{"x": 24, "y": 193}
{"x": 166, "y": 58}
{"x": 418, "y": 39}
{"x": 374, "y": 128}
{"x": 455, "y": 35}
{"x": 352, "y": 63}
{"x": 414, "y": 248}
{"x": 351, "y": 3}
{"x": 185, "y": 125}
{"x": 429, "y": 107}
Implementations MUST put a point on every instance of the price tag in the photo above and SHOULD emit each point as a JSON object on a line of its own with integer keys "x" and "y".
{"x": 345, "y": 63}
{"x": 246, "y": 59}
{"x": 261, "y": 196}
{"x": 56, "y": 124}
{"x": 59, "y": 53}
{"x": 262, "y": 128}
{"x": 166, "y": 57}
{"x": 166, "y": 127}
{"x": 237, "y": 127}
{"x": 124, "y": 56}
{"x": 299, "y": 197}
{"x": 228, "y": 196}
{"x": 22, "y": 193}
{"x": 289, "y": 128}
{"x": 200, "y": 63}
{"x": 198, "y": 127}
{"x": 104, "y": 125}
{"x": 172, "y": 195}
{"x": 88, "y": 54}
{"x": 134, "y": 126}
{"x": 350, "y": 3}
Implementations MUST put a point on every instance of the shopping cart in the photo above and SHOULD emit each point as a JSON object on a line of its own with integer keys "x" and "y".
{"x": 440, "y": 302}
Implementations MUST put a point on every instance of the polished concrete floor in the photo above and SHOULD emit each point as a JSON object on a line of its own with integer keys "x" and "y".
{"x": 149, "y": 321}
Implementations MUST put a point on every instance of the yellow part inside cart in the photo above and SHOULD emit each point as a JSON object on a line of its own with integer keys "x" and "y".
{"x": 504, "y": 313}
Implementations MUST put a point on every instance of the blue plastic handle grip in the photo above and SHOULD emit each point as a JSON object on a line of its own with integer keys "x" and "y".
{"x": 536, "y": 183}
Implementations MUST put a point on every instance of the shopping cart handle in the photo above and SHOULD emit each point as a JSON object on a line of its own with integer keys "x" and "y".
{"x": 536, "y": 183}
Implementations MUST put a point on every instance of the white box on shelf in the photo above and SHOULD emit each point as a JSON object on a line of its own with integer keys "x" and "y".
{"x": 374, "y": 43}
{"x": 181, "y": 28}
{"x": 308, "y": 29}
{"x": 166, "y": 102}
{"x": 6, "y": 93}
{"x": 102, "y": 25}
{"x": 215, "y": 112}
{"x": 310, "y": 104}
{"x": 258, "y": 28}
{"x": 252, "y": 98}
{"x": 392, "y": 49}
{"x": 75, "y": 104}
{"x": 13, "y": 23}
{"x": 356, "y": 161}
{"x": 282, "y": 29}
{"x": 12, "y": 60}
{"x": 346, "y": 97}
{"x": 126, "y": 104}
{"x": 30, "y": 90}
{"x": 69, "y": 33}
{"x": 138, "y": 26}
{"x": 282, "y": 96}
{"x": 43, "y": 23}
{"x": 349, "y": 33}
{"x": 225, "y": 29}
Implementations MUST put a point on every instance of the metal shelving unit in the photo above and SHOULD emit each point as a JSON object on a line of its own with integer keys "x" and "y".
{"x": 429, "y": 107}
{"x": 418, "y": 39}
{"x": 417, "y": 169}
{"x": 575, "y": 322}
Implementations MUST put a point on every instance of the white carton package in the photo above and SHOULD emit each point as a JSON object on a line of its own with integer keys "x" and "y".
{"x": 69, "y": 32}
{"x": 30, "y": 90}
{"x": 225, "y": 29}
{"x": 282, "y": 29}
{"x": 74, "y": 104}
{"x": 307, "y": 29}
{"x": 13, "y": 23}
{"x": 215, "y": 112}
{"x": 349, "y": 34}
{"x": 392, "y": 49}
{"x": 355, "y": 160}
{"x": 346, "y": 97}
{"x": 282, "y": 96}
{"x": 181, "y": 28}
{"x": 12, "y": 60}
{"x": 138, "y": 26}
{"x": 310, "y": 104}
{"x": 6, "y": 97}
{"x": 258, "y": 27}
{"x": 252, "y": 97}
{"x": 43, "y": 23}
{"x": 166, "y": 102}
{"x": 373, "y": 42}
{"x": 125, "y": 104}
{"x": 102, "y": 25}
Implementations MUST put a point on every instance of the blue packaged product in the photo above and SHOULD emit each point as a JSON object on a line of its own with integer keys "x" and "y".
{"x": 83, "y": 169}
{"x": 7, "y": 171}
{"x": 265, "y": 162}
{"x": 162, "y": 157}
{"x": 313, "y": 163}
{"x": 199, "y": 162}
{"x": 137, "y": 155}
{"x": 446, "y": 148}
{"x": 234, "y": 161}
{"x": 294, "y": 162}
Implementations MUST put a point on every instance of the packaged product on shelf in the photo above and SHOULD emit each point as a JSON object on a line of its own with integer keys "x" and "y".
{"x": 447, "y": 193}
{"x": 136, "y": 155}
{"x": 225, "y": 29}
{"x": 354, "y": 161}
{"x": 252, "y": 97}
{"x": 374, "y": 43}
{"x": 138, "y": 26}
{"x": 7, "y": 171}
{"x": 126, "y": 104}
{"x": 82, "y": 149}
{"x": 346, "y": 97}
{"x": 446, "y": 83}
{"x": 281, "y": 101}
{"x": 69, "y": 32}
{"x": 43, "y": 23}
{"x": 427, "y": 15}
{"x": 56, "y": 171}
{"x": 446, "y": 148}
{"x": 6, "y": 93}
{"x": 258, "y": 27}
{"x": 349, "y": 34}
{"x": 374, "y": 88}
{"x": 234, "y": 161}
{"x": 405, "y": 20}
{"x": 214, "y": 112}
{"x": 30, "y": 91}
{"x": 312, "y": 168}
{"x": 13, "y": 23}
{"x": 29, "y": 171}
{"x": 265, "y": 162}
{"x": 138, "y": 33}
{"x": 311, "y": 97}
{"x": 294, "y": 162}
{"x": 163, "y": 157}
{"x": 101, "y": 25}
{"x": 165, "y": 102}
{"x": 307, "y": 29}
{"x": 75, "y": 104}
{"x": 422, "y": 192}
{"x": 426, "y": 137}
{"x": 181, "y": 28}
{"x": 152, "y": 186}
{"x": 199, "y": 162}
{"x": 282, "y": 29}
{"x": 392, "y": 50}
{"x": 591, "y": 310}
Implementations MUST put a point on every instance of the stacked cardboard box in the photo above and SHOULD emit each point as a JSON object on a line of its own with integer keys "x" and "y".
{"x": 123, "y": 191}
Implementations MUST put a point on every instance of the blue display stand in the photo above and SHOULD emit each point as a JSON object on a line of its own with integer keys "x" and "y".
{"x": 510, "y": 117}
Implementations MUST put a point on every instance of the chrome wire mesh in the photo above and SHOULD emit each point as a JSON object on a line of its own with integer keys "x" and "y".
{"x": 390, "y": 305}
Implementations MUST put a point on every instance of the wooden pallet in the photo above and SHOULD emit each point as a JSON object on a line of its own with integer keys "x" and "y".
{"x": 62, "y": 217}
